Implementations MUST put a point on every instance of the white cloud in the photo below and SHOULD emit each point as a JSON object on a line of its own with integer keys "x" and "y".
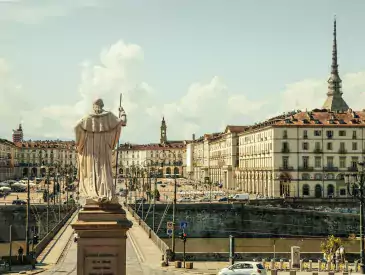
{"x": 33, "y": 12}
{"x": 207, "y": 106}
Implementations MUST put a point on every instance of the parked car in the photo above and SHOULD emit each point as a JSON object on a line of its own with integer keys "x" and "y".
{"x": 184, "y": 200}
{"x": 241, "y": 197}
{"x": 244, "y": 268}
{"x": 19, "y": 202}
{"x": 205, "y": 199}
{"x": 223, "y": 199}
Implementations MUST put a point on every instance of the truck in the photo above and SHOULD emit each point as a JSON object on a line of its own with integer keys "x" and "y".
{"x": 241, "y": 197}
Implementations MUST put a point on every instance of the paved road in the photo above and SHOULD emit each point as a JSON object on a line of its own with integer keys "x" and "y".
{"x": 67, "y": 265}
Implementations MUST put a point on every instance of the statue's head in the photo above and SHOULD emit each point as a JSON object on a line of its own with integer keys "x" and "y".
{"x": 98, "y": 106}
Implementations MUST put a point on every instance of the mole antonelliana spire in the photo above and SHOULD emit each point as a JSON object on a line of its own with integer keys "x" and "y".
{"x": 334, "y": 101}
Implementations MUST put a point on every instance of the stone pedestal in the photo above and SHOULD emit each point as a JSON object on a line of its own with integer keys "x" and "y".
{"x": 101, "y": 246}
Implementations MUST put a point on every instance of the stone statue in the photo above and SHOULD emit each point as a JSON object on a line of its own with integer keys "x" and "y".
{"x": 96, "y": 137}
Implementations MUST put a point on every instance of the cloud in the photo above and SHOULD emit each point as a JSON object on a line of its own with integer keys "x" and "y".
{"x": 33, "y": 12}
{"x": 207, "y": 106}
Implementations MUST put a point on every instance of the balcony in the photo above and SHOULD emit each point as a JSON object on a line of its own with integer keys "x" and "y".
{"x": 285, "y": 150}
{"x": 305, "y": 168}
{"x": 342, "y": 151}
{"x": 330, "y": 169}
{"x": 286, "y": 168}
{"x": 318, "y": 151}
{"x": 352, "y": 169}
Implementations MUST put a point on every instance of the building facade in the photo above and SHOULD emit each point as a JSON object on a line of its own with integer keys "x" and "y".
{"x": 8, "y": 159}
{"x": 166, "y": 157}
{"x": 298, "y": 154}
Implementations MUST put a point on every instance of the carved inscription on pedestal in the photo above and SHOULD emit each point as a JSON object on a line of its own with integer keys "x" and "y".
{"x": 101, "y": 264}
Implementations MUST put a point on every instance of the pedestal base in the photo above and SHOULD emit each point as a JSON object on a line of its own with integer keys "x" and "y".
{"x": 101, "y": 246}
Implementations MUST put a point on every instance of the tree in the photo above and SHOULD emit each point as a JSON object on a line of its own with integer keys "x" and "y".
{"x": 330, "y": 246}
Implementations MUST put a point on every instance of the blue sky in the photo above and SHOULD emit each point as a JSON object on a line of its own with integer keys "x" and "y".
{"x": 203, "y": 64}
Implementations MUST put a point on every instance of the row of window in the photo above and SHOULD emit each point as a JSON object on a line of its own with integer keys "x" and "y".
{"x": 329, "y": 133}
{"x": 342, "y": 160}
{"x": 317, "y": 146}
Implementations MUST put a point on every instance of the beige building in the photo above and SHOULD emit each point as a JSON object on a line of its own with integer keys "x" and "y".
{"x": 298, "y": 154}
{"x": 167, "y": 156}
{"x": 42, "y": 157}
{"x": 8, "y": 159}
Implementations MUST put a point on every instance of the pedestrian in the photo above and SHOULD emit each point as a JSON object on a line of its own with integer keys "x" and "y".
{"x": 76, "y": 236}
{"x": 20, "y": 254}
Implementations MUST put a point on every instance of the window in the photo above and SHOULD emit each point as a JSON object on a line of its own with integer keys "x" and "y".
{"x": 354, "y": 161}
{"x": 305, "y": 176}
{"x": 305, "y": 146}
{"x": 285, "y": 134}
{"x": 329, "y": 134}
{"x": 354, "y": 146}
{"x": 342, "y": 162}
{"x": 353, "y": 134}
{"x": 342, "y": 146}
{"x": 317, "y": 133}
{"x": 305, "y": 190}
{"x": 318, "y": 162}
{"x": 305, "y": 162}
{"x": 342, "y": 192}
{"x": 305, "y": 134}
{"x": 329, "y": 161}
{"x": 342, "y": 133}
{"x": 285, "y": 162}
{"x": 318, "y": 145}
{"x": 329, "y": 146}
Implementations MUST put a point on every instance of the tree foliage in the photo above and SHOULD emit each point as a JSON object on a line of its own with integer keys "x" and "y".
{"x": 330, "y": 246}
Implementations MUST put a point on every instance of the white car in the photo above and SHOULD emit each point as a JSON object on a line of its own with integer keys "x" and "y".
{"x": 184, "y": 200}
{"x": 244, "y": 268}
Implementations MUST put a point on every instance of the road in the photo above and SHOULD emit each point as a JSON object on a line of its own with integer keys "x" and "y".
{"x": 67, "y": 265}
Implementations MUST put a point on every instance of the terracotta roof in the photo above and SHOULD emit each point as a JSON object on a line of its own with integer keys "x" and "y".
{"x": 235, "y": 128}
{"x": 47, "y": 144}
{"x": 7, "y": 142}
{"x": 315, "y": 118}
{"x": 151, "y": 146}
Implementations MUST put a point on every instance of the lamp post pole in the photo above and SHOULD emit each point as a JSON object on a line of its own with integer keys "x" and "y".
{"x": 28, "y": 215}
{"x": 356, "y": 188}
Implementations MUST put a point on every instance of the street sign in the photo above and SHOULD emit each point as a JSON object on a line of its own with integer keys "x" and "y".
{"x": 169, "y": 232}
{"x": 183, "y": 225}
{"x": 170, "y": 225}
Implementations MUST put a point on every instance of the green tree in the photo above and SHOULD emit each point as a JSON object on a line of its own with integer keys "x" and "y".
{"x": 329, "y": 246}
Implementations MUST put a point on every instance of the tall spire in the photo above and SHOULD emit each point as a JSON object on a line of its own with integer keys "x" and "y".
{"x": 334, "y": 101}
{"x": 334, "y": 65}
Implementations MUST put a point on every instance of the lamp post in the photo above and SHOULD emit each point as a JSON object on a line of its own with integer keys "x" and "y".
{"x": 356, "y": 188}
{"x": 208, "y": 182}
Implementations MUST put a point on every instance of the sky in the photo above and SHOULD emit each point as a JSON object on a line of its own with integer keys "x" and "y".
{"x": 201, "y": 64}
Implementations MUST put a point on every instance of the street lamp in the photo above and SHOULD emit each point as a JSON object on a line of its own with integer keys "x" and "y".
{"x": 207, "y": 181}
{"x": 356, "y": 188}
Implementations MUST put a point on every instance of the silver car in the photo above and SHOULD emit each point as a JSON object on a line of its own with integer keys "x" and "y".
{"x": 244, "y": 268}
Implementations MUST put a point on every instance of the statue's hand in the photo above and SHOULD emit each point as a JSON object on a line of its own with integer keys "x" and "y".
{"x": 121, "y": 110}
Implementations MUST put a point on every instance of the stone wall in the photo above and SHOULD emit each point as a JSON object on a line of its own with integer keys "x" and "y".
{"x": 15, "y": 215}
{"x": 220, "y": 220}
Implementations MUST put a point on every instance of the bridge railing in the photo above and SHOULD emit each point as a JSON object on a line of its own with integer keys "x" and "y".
{"x": 164, "y": 248}
{"x": 52, "y": 233}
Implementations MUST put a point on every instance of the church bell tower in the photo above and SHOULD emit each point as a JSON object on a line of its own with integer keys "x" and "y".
{"x": 163, "y": 135}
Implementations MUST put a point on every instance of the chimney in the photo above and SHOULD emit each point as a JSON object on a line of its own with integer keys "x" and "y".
{"x": 193, "y": 137}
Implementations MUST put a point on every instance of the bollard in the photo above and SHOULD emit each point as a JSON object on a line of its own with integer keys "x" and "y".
{"x": 178, "y": 264}
{"x": 328, "y": 266}
{"x": 337, "y": 266}
{"x": 310, "y": 266}
{"x": 301, "y": 265}
{"x": 272, "y": 264}
{"x": 189, "y": 265}
{"x": 319, "y": 265}
{"x": 346, "y": 267}
{"x": 290, "y": 266}
{"x": 281, "y": 265}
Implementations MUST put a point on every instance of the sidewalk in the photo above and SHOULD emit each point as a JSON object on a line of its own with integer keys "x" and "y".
{"x": 151, "y": 257}
{"x": 51, "y": 254}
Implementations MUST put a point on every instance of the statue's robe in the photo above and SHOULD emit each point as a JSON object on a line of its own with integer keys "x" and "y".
{"x": 96, "y": 138}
